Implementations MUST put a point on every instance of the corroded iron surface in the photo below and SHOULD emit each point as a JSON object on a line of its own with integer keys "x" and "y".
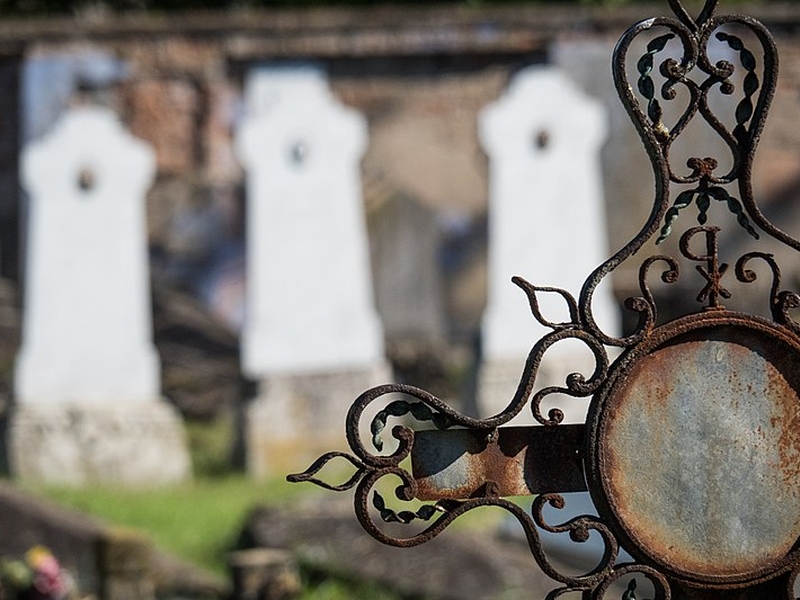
{"x": 698, "y": 447}
{"x": 518, "y": 461}
{"x": 691, "y": 449}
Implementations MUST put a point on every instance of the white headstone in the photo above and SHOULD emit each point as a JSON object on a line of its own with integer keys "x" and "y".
{"x": 86, "y": 334}
{"x": 310, "y": 304}
{"x": 309, "y": 309}
{"x": 546, "y": 224}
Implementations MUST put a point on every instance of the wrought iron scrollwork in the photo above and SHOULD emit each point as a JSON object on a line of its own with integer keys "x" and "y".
{"x": 676, "y": 55}
{"x": 371, "y": 468}
{"x": 695, "y": 72}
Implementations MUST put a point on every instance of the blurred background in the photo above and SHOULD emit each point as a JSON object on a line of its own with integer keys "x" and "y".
{"x": 175, "y": 73}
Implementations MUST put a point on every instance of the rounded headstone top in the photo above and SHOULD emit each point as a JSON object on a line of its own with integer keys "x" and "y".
{"x": 87, "y": 139}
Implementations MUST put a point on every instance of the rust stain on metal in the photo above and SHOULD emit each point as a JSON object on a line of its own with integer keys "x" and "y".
{"x": 515, "y": 461}
{"x": 691, "y": 448}
{"x": 701, "y": 446}
{"x": 786, "y": 377}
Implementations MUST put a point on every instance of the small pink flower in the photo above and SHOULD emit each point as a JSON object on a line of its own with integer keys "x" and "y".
{"x": 48, "y": 578}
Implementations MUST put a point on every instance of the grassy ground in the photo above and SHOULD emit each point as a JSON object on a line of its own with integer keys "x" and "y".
{"x": 198, "y": 522}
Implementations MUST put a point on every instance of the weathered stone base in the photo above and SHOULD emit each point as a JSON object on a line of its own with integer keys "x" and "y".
{"x": 295, "y": 418}
{"x": 135, "y": 444}
{"x": 498, "y": 381}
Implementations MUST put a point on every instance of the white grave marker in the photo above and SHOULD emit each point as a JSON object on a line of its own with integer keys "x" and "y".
{"x": 87, "y": 382}
{"x": 311, "y": 333}
{"x": 546, "y": 224}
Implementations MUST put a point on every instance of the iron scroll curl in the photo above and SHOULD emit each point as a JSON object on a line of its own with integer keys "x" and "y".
{"x": 371, "y": 467}
{"x": 676, "y": 53}
{"x": 698, "y": 75}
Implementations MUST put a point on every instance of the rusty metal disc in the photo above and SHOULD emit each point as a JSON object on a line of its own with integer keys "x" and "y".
{"x": 693, "y": 449}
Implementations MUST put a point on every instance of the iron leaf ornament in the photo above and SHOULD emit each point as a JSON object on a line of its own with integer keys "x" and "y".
{"x": 658, "y": 415}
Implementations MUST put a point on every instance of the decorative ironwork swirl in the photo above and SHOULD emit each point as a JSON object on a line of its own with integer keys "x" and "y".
{"x": 694, "y": 71}
{"x": 781, "y": 301}
{"x": 370, "y": 468}
{"x": 577, "y": 385}
{"x": 623, "y": 571}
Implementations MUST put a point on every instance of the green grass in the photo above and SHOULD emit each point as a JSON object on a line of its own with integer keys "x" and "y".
{"x": 332, "y": 589}
{"x": 198, "y": 522}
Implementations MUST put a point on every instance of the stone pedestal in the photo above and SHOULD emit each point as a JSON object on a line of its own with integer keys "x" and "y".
{"x": 128, "y": 444}
{"x": 296, "y": 418}
{"x": 87, "y": 377}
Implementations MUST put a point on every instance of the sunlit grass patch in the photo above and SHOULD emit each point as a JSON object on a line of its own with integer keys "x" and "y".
{"x": 198, "y": 521}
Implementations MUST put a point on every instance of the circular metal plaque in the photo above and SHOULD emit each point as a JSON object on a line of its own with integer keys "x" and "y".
{"x": 694, "y": 447}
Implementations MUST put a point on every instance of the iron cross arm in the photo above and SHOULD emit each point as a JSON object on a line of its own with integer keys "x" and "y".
{"x": 691, "y": 445}
{"x": 509, "y": 461}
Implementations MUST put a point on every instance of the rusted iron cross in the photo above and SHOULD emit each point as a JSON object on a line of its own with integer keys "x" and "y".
{"x": 691, "y": 447}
